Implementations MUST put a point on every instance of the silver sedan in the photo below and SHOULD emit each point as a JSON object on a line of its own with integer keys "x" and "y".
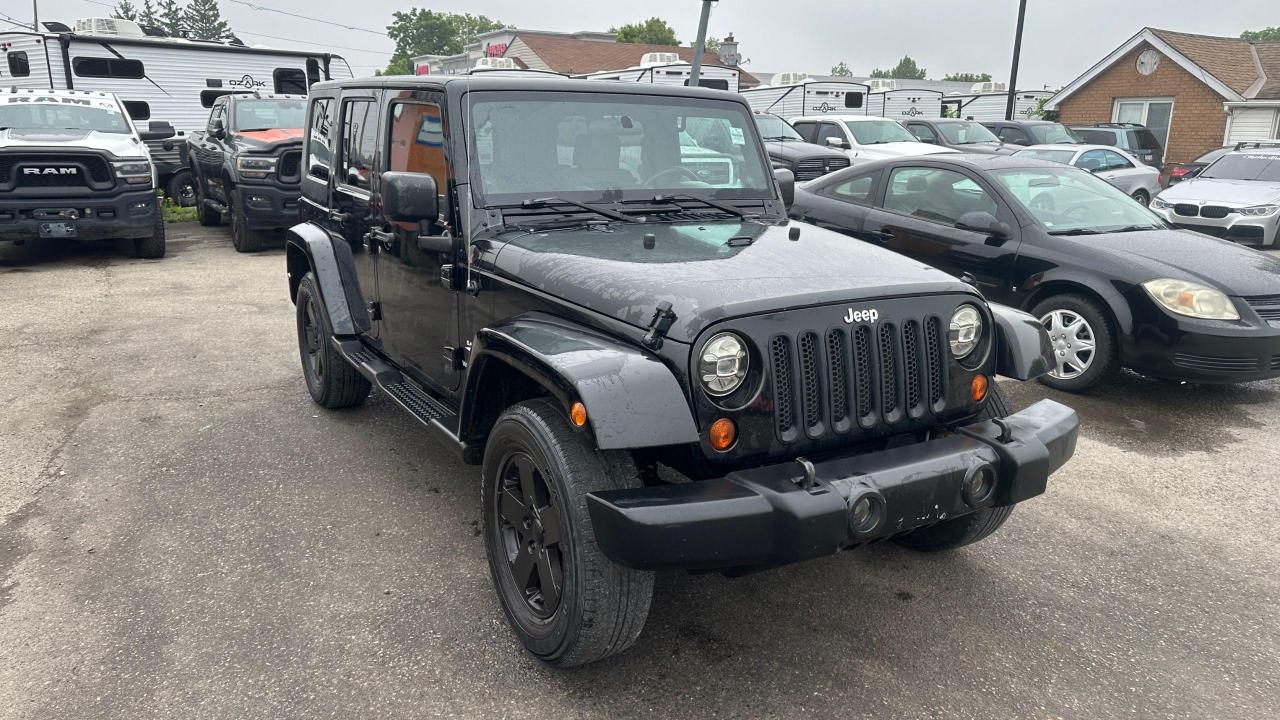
{"x": 1141, "y": 182}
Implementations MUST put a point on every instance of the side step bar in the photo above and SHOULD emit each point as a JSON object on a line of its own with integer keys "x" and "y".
{"x": 430, "y": 411}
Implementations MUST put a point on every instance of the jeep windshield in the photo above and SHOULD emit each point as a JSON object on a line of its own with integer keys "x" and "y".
{"x": 610, "y": 147}
{"x": 22, "y": 112}
{"x": 1068, "y": 201}
{"x": 1264, "y": 167}
{"x": 254, "y": 115}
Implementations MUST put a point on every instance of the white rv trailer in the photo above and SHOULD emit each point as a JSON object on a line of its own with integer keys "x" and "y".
{"x": 905, "y": 104}
{"x": 158, "y": 78}
{"x": 991, "y": 106}
{"x": 666, "y": 68}
{"x": 794, "y": 95}
{"x": 506, "y": 67}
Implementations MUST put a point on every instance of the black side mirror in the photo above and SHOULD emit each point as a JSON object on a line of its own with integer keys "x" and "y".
{"x": 983, "y": 222}
{"x": 409, "y": 197}
{"x": 157, "y": 130}
{"x": 217, "y": 129}
{"x": 786, "y": 185}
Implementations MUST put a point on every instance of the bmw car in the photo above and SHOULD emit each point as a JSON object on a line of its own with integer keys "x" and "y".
{"x": 1114, "y": 285}
{"x": 1237, "y": 198}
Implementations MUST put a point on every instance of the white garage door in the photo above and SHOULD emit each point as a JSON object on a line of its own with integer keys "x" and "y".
{"x": 1252, "y": 124}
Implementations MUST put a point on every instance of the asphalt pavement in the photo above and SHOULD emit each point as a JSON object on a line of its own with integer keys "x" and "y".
{"x": 183, "y": 534}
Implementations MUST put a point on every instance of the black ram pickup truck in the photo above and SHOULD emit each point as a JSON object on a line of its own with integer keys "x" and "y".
{"x": 653, "y": 371}
{"x": 245, "y": 165}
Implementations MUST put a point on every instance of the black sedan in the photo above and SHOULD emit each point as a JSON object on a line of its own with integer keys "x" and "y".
{"x": 963, "y": 135}
{"x": 1114, "y": 285}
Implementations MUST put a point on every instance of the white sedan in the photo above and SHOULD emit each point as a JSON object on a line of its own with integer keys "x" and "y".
{"x": 1141, "y": 182}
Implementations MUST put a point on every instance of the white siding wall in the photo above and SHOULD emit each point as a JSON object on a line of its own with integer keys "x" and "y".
{"x": 668, "y": 75}
{"x": 906, "y": 104}
{"x": 991, "y": 106}
{"x": 811, "y": 98}
{"x": 1252, "y": 124}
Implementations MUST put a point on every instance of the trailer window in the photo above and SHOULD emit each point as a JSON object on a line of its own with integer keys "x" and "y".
{"x": 290, "y": 81}
{"x": 18, "y": 64}
{"x": 713, "y": 83}
{"x": 853, "y": 100}
{"x": 137, "y": 109}
{"x": 359, "y": 142}
{"x": 99, "y": 67}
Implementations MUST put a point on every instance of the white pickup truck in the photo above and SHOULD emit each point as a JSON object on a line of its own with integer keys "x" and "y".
{"x": 863, "y": 137}
{"x": 72, "y": 165}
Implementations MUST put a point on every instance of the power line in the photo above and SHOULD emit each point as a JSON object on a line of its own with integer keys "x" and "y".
{"x": 264, "y": 8}
{"x": 306, "y": 42}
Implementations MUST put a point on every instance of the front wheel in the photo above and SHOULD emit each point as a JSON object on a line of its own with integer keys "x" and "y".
{"x": 1085, "y": 351}
{"x": 152, "y": 247}
{"x": 567, "y": 603}
{"x": 966, "y": 529}
{"x": 242, "y": 238}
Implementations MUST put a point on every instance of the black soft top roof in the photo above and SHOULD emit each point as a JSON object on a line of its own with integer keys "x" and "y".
{"x": 510, "y": 81}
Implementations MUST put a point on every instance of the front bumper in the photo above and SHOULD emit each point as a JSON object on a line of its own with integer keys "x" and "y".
{"x": 129, "y": 214}
{"x": 270, "y": 206}
{"x": 1253, "y": 231}
{"x": 1205, "y": 351}
{"x": 771, "y": 515}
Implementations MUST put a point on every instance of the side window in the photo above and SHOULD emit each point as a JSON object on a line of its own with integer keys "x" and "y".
{"x": 855, "y": 190}
{"x": 936, "y": 195}
{"x": 1097, "y": 137}
{"x": 290, "y": 81}
{"x": 924, "y": 132}
{"x": 829, "y": 130}
{"x": 1115, "y": 161}
{"x": 359, "y": 142}
{"x": 137, "y": 109}
{"x": 1093, "y": 161}
{"x": 319, "y": 142}
{"x": 18, "y": 64}
{"x": 807, "y": 130}
{"x": 218, "y": 113}
{"x": 415, "y": 142}
{"x": 100, "y": 67}
{"x": 1014, "y": 136}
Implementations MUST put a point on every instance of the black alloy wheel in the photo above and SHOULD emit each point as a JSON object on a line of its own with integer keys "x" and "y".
{"x": 531, "y": 530}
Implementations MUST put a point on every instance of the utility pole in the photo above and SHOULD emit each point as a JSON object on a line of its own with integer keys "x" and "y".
{"x": 1017, "y": 52}
{"x": 35, "y": 15}
{"x": 700, "y": 45}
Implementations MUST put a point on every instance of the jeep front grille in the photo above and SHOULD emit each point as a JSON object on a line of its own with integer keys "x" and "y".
{"x": 858, "y": 376}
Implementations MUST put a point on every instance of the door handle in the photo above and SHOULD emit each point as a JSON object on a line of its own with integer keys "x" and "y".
{"x": 381, "y": 239}
{"x": 342, "y": 218}
{"x": 879, "y": 236}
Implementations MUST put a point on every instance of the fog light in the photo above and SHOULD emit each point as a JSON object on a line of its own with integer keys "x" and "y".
{"x": 978, "y": 388}
{"x": 578, "y": 414}
{"x": 721, "y": 434}
{"x": 980, "y": 485}
{"x": 865, "y": 514}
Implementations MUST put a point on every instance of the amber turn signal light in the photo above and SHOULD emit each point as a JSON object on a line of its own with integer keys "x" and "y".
{"x": 721, "y": 434}
{"x": 978, "y": 389}
{"x": 578, "y": 414}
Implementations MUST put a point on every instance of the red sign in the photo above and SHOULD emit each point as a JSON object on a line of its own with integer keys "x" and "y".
{"x": 423, "y": 69}
{"x": 495, "y": 50}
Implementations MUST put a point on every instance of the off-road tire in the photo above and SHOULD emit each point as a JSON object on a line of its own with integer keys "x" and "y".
{"x": 176, "y": 189}
{"x": 1106, "y": 355}
{"x": 152, "y": 247}
{"x": 336, "y": 384}
{"x": 603, "y": 605}
{"x": 205, "y": 215}
{"x": 966, "y": 529}
{"x": 242, "y": 238}
{"x": 1142, "y": 197}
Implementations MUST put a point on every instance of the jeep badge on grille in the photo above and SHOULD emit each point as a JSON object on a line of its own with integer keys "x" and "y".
{"x": 861, "y": 316}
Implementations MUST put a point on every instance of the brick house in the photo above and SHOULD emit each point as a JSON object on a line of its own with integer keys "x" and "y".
{"x": 1195, "y": 92}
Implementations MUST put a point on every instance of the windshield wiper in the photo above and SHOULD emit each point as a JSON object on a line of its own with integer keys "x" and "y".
{"x": 535, "y": 203}
{"x": 1076, "y": 231}
{"x": 672, "y": 199}
{"x": 1135, "y": 228}
{"x": 777, "y": 137}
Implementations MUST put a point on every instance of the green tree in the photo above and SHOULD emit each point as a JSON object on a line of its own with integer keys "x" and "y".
{"x": 713, "y": 44}
{"x": 125, "y": 11}
{"x": 204, "y": 20}
{"x": 841, "y": 70}
{"x": 654, "y": 31}
{"x": 906, "y": 69}
{"x": 1271, "y": 34}
{"x": 968, "y": 77}
{"x": 427, "y": 32}
{"x": 147, "y": 14}
{"x": 169, "y": 17}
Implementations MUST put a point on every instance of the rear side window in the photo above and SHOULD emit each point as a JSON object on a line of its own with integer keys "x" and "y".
{"x": 1146, "y": 140}
{"x": 319, "y": 142}
{"x": 924, "y": 132}
{"x": 137, "y": 109}
{"x": 99, "y": 67}
{"x": 855, "y": 190}
{"x": 807, "y": 130}
{"x": 1097, "y": 137}
{"x": 290, "y": 81}
{"x": 359, "y": 142}
{"x": 935, "y": 195}
{"x": 18, "y": 64}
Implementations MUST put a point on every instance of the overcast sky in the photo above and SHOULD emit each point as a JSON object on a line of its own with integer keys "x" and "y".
{"x": 1062, "y": 38}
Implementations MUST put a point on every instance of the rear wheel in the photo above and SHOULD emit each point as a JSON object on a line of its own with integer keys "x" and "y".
{"x": 331, "y": 380}
{"x": 207, "y": 216}
{"x": 181, "y": 190}
{"x": 567, "y": 603}
{"x": 966, "y": 529}
{"x": 244, "y": 239}
{"x": 1084, "y": 344}
{"x": 152, "y": 247}
{"x": 1142, "y": 198}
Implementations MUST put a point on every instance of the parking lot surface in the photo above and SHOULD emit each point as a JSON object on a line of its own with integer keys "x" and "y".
{"x": 185, "y": 535}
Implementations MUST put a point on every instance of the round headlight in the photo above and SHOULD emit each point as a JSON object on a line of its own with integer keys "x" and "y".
{"x": 722, "y": 365}
{"x": 965, "y": 330}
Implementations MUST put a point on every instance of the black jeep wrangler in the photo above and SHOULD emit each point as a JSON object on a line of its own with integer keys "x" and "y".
{"x": 654, "y": 372}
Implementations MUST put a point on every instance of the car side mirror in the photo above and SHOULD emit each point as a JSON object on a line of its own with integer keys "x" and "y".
{"x": 217, "y": 129}
{"x": 980, "y": 221}
{"x": 157, "y": 130}
{"x": 836, "y": 142}
{"x": 786, "y": 185}
{"x": 410, "y": 197}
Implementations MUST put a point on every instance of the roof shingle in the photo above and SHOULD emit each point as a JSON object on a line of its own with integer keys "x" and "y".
{"x": 1230, "y": 60}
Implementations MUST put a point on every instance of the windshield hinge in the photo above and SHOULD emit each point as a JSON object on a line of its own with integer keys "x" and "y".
{"x": 663, "y": 317}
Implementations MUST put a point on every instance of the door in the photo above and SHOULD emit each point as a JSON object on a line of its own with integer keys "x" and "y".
{"x": 917, "y": 217}
{"x": 923, "y": 133}
{"x": 209, "y": 153}
{"x": 842, "y": 205}
{"x": 832, "y": 132}
{"x": 807, "y": 129}
{"x": 1013, "y": 136}
{"x": 351, "y": 209}
{"x": 419, "y": 307}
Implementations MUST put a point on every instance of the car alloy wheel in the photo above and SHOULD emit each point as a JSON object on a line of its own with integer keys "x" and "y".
{"x": 312, "y": 342}
{"x": 1073, "y": 341}
{"x": 530, "y": 529}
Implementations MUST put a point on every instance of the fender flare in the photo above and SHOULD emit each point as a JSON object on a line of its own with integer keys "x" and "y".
{"x": 633, "y": 400}
{"x": 1111, "y": 297}
{"x": 334, "y": 269}
{"x": 1023, "y": 350}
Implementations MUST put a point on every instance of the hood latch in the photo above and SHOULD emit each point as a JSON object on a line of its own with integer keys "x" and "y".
{"x": 661, "y": 322}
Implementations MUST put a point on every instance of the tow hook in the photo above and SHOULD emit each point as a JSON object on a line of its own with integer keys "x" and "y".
{"x": 1006, "y": 433}
{"x": 810, "y": 478}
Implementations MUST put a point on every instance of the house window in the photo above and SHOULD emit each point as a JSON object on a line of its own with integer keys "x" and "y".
{"x": 100, "y": 67}
{"x": 18, "y": 64}
{"x": 1154, "y": 113}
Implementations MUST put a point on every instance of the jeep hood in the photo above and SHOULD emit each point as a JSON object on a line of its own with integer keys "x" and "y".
{"x": 901, "y": 149}
{"x": 1188, "y": 255}
{"x": 1235, "y": 193}
{"x": 704, "y": 277}
{"x": 119, "y": 144}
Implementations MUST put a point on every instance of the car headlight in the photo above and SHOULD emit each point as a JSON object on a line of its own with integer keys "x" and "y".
{"x": 722, "y": 365}
{"x": 1191, "y": 299}
{"x": 1259, "y": 210}
{"x": 133, "y": 172}
{"x": 258, "y": 167}
{"x": 1158, "y": 204}
{"x": 965, "y": 330}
